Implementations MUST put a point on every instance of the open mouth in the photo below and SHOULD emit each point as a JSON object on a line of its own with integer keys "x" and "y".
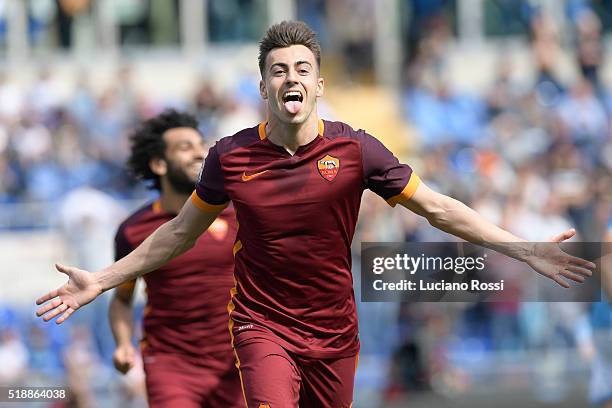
{"x": 295, "y": 96}
{"x": 293, "y": 101}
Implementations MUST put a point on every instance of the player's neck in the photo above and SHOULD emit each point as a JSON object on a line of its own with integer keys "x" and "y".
{"x": 172, "y": 201}
{"x": 290, "y": 136}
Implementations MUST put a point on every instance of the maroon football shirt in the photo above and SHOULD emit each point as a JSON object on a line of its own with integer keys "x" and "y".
{"x": 186, "y": 311}
{"x": 297, "y": 216}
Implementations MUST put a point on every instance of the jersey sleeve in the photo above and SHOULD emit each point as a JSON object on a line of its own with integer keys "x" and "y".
{"x": 122, "y": 244}
{"x": 384, "y": 174}
{"x": 210, "y": 190}
{"x": 122, "y": 248}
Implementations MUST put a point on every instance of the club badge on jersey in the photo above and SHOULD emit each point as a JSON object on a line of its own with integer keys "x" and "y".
{"x": 329, "y": 167}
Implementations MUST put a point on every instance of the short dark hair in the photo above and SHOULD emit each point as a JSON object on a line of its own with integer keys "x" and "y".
{"x": 285, "y": 34}
{"x": 147, "y": 142}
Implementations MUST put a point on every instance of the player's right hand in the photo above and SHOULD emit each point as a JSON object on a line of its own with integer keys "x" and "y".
{"x": 124, "y": 358}
{"x": 80, "y": 289}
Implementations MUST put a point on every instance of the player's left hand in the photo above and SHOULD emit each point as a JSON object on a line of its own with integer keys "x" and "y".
{"x": 552, "y": 262}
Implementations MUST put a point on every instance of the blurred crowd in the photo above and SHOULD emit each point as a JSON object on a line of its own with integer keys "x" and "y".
{"x": 534, "y": 157}
{"x": 74, "y": 357}
{"x": 51, "y": 145}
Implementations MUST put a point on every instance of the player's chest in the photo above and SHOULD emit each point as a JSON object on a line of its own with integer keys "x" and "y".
{"x": 269, "y": 176}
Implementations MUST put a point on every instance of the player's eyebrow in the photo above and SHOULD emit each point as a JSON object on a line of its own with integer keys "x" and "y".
{"x": 303, "y": 62}
{"x": 279, "y": 65}
{"x": 285, "y": 66}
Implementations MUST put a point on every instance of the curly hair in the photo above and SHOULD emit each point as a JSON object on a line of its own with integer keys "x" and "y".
{"x": 147, "y": 143}
{"x": 285, "y": 34}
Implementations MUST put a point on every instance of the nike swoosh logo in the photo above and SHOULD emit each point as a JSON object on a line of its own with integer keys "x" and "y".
{"x": 249, "y": 177}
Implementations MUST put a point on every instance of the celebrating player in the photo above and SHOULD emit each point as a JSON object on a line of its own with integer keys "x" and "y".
{"x": 296, "y": 182}
{"x": 186, "y": 349}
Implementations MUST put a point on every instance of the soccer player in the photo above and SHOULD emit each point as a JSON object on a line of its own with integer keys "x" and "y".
{"x": 186, "y": 350}
{"x": 296, "y": 182}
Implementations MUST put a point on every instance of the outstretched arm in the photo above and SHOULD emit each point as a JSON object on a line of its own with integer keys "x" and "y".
{"x": 454, "y": 217}
{"x": 167, "y": 242}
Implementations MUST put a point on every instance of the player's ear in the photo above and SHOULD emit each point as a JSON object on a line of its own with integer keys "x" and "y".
{"x": 320, "y": 87}
{"x": 158, "y": 166}
{"x": 262, "y": 90}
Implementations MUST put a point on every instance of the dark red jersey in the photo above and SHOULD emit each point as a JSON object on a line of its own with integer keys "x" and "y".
{"x": 297, "y": 217}
{"x": 186, "y": 311}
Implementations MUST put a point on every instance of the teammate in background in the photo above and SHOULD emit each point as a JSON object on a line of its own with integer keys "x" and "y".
{"x": 296, "y": 182}
{"x": 186, "y": 350}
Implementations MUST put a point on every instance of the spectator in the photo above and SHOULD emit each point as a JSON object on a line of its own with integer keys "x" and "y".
{"x": 13, "y": 358}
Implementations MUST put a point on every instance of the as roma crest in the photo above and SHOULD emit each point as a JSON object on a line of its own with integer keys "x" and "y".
{"x": 328, "y": 167}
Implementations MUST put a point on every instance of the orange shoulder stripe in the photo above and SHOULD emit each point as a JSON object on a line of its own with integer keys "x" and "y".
{"x": 204, "y": 206}
{"x": 407, "y": 192}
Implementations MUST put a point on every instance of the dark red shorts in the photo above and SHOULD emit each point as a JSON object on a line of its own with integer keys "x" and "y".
{"x": 172, "y": 381}
{"x": 272, "y": 377}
